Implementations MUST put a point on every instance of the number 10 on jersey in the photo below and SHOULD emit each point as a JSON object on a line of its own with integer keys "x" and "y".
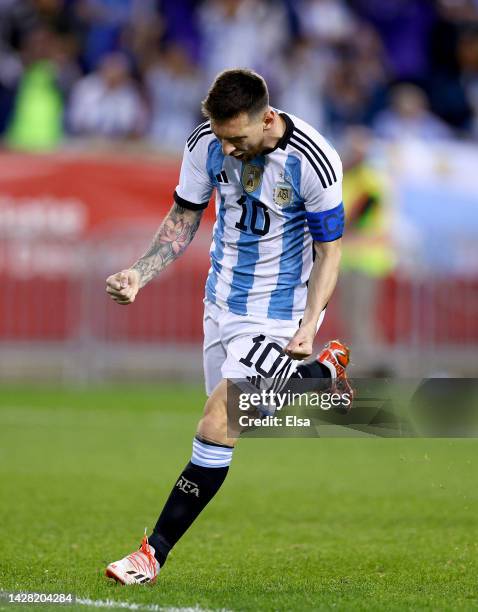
{"x": 251, "y": 219}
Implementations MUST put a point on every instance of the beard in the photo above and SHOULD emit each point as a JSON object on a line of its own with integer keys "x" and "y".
{"x": 247, "y": 156}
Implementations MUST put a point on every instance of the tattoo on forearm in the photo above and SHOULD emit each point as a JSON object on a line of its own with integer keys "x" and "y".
{"x": 174, "y": 235}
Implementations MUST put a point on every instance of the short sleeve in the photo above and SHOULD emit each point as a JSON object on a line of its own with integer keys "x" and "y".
{"x": 322, "y": 193}
{"x": 195, "y": 185}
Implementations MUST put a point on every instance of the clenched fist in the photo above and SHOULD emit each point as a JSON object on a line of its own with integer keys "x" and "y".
{"x": 123, "y": 286}
{"x": 301, "y": 345}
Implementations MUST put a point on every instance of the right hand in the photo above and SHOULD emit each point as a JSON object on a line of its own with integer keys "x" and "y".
{"x": 123, "y": 286}
{"x": 300, "y": 346}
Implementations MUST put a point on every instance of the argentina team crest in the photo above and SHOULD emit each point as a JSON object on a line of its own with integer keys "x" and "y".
{"x": 283, "y": 194}
{"x": 251, "y": 177}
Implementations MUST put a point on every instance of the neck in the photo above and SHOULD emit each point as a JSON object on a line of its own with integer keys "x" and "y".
{"x": 275, "y": 133}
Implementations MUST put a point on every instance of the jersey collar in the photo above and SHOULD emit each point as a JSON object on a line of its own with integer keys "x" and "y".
{"x": 284, "y": 140}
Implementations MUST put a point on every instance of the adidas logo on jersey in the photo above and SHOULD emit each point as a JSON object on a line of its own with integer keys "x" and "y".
{"x": 222, "y": 177}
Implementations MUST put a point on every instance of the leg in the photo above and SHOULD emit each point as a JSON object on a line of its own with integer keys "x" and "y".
{"x": 213, "y": 425}
{"x": 201, "y": 478}
{"x": 196, "y": 486}
{"x": 212, "y": 448}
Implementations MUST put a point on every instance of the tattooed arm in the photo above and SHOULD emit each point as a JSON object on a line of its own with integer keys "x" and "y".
{"x": 174, "y": 235}
{"x": 172, "y": 238}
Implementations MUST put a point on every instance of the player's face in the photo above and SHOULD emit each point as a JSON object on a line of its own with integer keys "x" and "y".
{"x": 241, "y": 137}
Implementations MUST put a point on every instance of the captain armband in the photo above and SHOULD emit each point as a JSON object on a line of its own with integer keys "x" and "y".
{"x": 326, "y": 225}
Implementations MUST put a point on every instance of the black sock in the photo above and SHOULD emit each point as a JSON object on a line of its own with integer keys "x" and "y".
{"x": 195, "y": 488}
{"x": 314, "y": 369}
{"x": 313, "y": 376}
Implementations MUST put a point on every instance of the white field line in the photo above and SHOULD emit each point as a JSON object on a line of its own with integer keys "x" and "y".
{"x": 112, "y": 604}
{"x": 127, "y": 605}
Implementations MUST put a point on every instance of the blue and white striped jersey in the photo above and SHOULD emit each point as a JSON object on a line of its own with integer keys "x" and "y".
{"x": 268, "y": 212}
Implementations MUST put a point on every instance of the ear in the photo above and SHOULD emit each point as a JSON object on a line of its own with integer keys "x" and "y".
{"x": 268, "y": 119}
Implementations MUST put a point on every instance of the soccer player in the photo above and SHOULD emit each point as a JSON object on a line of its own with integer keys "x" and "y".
{"x": 274, "y": 263}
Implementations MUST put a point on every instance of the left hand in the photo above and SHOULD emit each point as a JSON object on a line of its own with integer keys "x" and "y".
{"x": 300, "y": 347}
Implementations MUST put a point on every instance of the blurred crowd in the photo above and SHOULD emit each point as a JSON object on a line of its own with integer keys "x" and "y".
{"x": 138, "y": 69}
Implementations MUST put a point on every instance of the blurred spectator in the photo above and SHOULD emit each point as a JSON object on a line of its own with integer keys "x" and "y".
{"x": 37, "y": 119}
{"x": 467, "y": 53}
{"x": 346, "y": 99}
{"x": 404, "y": 27}
{"x": 350, "y": 99}
{"x": 104, "y": 23}
{"x": 356, "y": 78}
{"x": 369, "y": 58}
{"x": 181, "y": 25}
{"x": 328, "y": 61}
{"x": 409, "y": 117}
{"x": 327, "y": 22}
{"x": 10, "y": 70}
{"x": 175, "y": 91}
{"x": 56, "y": 15}
{"x": 63, "y": 54}
{"x": 241, "y": 33}
{"x": 299, "y": 81}
{"x": 473, "y": 99}
{"x": 367, "y": 254}
{"x": 141, "y": 36}
{"x": 459, "y": 11}
{"x": 17, "y": 18}
{"x": 107, "y": 102}
{"x": 448, "y": 95}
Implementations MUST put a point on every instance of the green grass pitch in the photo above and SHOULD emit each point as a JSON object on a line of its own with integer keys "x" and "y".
{"x": 302, "y": 524}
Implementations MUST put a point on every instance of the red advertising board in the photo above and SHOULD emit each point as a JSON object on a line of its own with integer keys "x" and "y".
{"x": 68, "y": 194}
{"x": 66, "y": 222}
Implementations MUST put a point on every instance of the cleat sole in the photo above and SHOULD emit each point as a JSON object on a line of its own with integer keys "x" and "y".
{"x": 109, "y": 573}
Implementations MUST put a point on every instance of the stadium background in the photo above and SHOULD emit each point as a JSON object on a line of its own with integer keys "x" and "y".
{"x": 96, "y": 98}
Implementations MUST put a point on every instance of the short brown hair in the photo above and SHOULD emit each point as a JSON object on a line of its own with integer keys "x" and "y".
{"x": 233, "y": 92}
